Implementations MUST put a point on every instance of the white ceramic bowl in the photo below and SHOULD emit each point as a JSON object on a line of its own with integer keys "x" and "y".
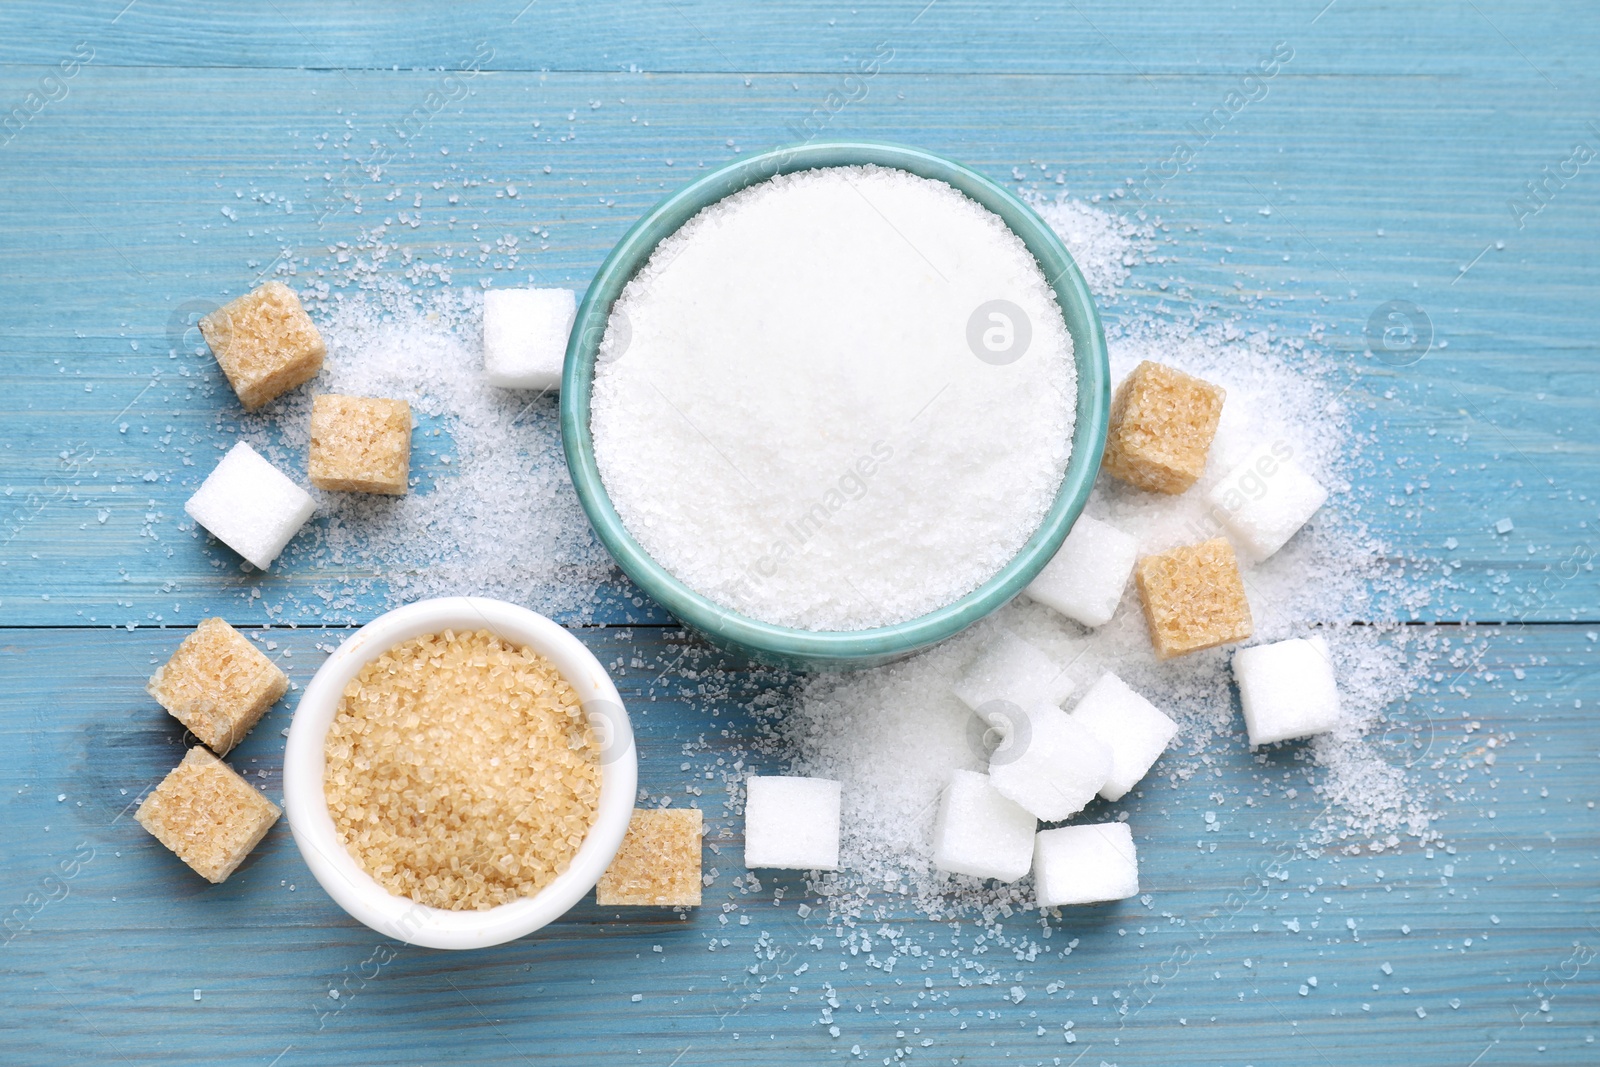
{"x": 400, "y": 917}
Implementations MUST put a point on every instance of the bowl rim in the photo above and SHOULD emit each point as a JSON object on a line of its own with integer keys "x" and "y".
{"x": 400, "y": 917}
{"x": 834, "y": 648}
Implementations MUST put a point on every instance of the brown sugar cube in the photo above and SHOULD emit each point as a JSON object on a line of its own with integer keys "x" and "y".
{"x": 658, "y": 863}
{"x": 207, "y": 815}
{"x": 1162, "y": 422}
{"x": 217, "y": 684}
{"x": 265, "y": 343}
{"x": 360, "y": 445}
{"x": 1193, "y": 598}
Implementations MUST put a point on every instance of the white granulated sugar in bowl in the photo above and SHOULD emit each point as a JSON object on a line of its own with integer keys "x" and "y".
{"x": 795, "y": 422}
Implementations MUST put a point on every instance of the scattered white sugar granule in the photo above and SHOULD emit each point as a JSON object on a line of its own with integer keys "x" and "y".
{"x": 836, "y": 400}
{"x": 494, "y": 513}
{"x": 1102, "y": 243}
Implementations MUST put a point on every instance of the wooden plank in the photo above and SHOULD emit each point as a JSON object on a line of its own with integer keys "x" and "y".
{"x": 942, "y": 36}
{"x": 106, "y": 970}
{"x": 116, "y": 229}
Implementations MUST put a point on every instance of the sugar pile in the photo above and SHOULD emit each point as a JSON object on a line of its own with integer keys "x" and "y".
{"x": 894, "y": 734}
{"x": 804, "y": 419}
{"x": 499, "y": 519}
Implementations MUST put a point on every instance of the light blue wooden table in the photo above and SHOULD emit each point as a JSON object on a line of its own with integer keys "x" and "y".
{"x": 1390, "y": 158}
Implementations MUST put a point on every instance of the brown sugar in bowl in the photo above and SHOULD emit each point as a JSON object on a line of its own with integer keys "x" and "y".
{"x": 343, "y": 876}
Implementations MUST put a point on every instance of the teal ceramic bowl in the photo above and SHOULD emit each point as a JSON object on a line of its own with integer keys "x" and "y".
{"x": 810, "y": 649}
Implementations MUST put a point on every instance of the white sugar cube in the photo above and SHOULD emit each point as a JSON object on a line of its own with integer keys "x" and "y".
{"x": 791, "y": 822}
{"x": 1266, "y": 498}
{"x": 1008, "y": 668}
{"x": 1085, "y": 864}
{"x": 250, "y": 505}
{"x": 1085, "y": 579}
{"x": 525, "y": 335}
{"x": 1135, "y": 731}
{"x": 1287, "y": 689}
{"x": 1047, "y": 763}
{"x": 981, "y": 833}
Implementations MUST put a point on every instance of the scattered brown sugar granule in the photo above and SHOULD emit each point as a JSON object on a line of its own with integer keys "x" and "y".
{"x": 360, "y": 445}
{"x": 461, "y": 771}
{"x": 206, "y": 814}
{"x": 265, "y": 343}
{"x": 658, "y": 863}
{"x": 217, "y": 684}
{"x": 1162, "y": 422}
{"x": 1193, "y": 598}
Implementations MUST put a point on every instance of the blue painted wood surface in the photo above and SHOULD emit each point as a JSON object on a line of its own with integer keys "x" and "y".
{"x": 1386, "y": 160}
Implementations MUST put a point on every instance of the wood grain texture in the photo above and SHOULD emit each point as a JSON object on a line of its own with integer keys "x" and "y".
{"x": 198, "y": 146}
{"x": 957, "y": 37}
{"x": 107, "y": 969}
{"x": 111, "y": 247}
